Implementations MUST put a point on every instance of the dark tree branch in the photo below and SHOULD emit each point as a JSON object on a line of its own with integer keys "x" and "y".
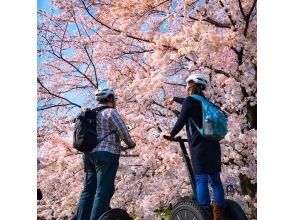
{"x": 175, "y": 84}
{"x": 213, "y": 22}
{"x": 156, "y": 103}
{"x": 247, "y": 18}
{"x": 52, "y": 106}
{"x": 79, "y": 71}
{"x": 151, "y": 8}
{"x": 239, "y": 54}
{"x": 129, "y": 155}
{"x": 111, "y": 28}
{"x": 57, "y": 96}
{"x": 216, "y": 23}
{"x": 62, "y": 40}
{"x": 85, "y": 47}
{"x": 229, "y": 16}
{"x": 93, "y": 65}
{"x": 74, "y": 87}
{"x": 251, "y": 10}
{"x": 241, "y": 9}
{"x": 132, "y": 52}
{"x": 68, "y": 62}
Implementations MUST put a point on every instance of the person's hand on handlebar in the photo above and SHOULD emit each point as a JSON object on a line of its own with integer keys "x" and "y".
{"x": 170, "y": 101}
{"x": 131, "y": 146}
{"x": 128, "y": 147}
{"x": 167, "y": 136}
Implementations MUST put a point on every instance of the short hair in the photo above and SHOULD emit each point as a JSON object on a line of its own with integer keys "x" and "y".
{"x": 109, "y": 98}
{"x": 196, "y": 88}
{"x": 200, "y": 86}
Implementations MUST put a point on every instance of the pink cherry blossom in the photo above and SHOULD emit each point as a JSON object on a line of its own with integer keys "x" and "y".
{"x": 145, "y": 50}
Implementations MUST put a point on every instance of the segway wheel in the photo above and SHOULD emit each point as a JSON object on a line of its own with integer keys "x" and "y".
{"x": 39, "y": 194}
{"x": 115, "y": 214}
{"x": 189, "y": 210}
{"x": 233, "y": 211}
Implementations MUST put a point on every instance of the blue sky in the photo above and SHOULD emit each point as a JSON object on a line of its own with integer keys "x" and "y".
{"x": 43, "y": 4}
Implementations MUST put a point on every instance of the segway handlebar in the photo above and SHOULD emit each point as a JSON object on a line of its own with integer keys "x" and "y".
{"x": 176, "y": 139}
{"x": 186, "y": 158}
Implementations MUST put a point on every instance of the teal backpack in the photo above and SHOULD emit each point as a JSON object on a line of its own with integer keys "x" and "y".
{"x": 214, "y": 121}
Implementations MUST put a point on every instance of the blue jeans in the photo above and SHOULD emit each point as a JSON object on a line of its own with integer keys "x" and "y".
{"x": 202, "y": 191}
{"x": 99, "y": 175}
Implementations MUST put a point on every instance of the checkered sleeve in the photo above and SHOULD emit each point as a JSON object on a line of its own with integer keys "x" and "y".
{"x": 121, "y": 128}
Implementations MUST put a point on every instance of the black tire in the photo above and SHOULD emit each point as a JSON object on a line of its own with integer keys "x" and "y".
{"x": 115, "y": 214}
{"x": 189, "y": 210}
{"x": 74, "y": 217}
{"x": 39, "y": 194}
{"x": 233, "y": 211}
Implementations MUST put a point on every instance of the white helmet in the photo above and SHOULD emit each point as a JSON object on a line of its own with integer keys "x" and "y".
{"x": 198, "y": 79}
{"x": 103, "y": 93}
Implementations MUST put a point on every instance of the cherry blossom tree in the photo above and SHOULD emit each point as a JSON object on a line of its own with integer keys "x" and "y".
{"x": 146, "y": 50}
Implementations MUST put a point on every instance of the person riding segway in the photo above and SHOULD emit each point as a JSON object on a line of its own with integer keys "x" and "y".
{"x": 188, "y": 209}
{"x": 101, "y": 149}
{"x": 205, "y": 153}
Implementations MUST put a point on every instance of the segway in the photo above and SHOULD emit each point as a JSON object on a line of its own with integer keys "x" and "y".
{"x": 115, "y": 214}
{"x": 39, "y": 194}
{"x": 188, "y": 209}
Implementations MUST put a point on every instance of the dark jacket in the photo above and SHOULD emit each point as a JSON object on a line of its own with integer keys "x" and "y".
{"x": 205, "y": 154}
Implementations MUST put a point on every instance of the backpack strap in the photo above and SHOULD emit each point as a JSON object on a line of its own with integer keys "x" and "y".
{"x": 198, "y": 97}
{"x": 204, "y": 101}
{"x": 100, "y": 109}
{"x": 191, "y": 121}
{"x": 201, "y": 98}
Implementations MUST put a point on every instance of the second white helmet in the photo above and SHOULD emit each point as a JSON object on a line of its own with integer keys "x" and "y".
{"x": 198, "y": 79}
{"x": 103, "y": 94}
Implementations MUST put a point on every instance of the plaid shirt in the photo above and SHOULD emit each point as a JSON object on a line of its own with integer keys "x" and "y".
{"x": 109, "y": 120}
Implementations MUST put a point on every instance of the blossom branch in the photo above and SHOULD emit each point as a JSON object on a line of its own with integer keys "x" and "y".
{"x": 55, "y": 95}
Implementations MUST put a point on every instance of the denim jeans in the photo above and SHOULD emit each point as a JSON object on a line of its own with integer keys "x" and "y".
{"x": 99, "y": 175}
{"x": 202, "y": 191}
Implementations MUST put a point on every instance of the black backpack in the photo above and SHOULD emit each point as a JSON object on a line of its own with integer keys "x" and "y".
{"x": 85, "y": 134}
